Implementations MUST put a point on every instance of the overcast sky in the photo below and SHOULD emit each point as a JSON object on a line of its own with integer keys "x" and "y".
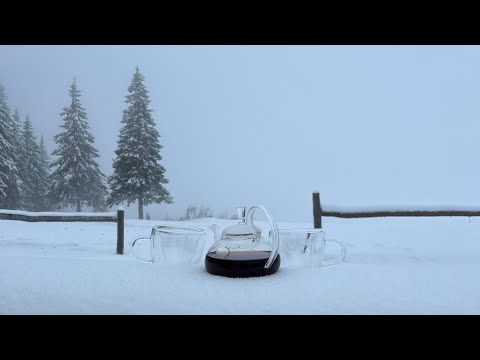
{"x": 364, "y": 125}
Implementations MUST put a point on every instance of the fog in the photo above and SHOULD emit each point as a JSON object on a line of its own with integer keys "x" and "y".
{"x": 246, "y": 125}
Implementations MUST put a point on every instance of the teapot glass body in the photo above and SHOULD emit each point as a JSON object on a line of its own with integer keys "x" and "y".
{"x": 241, "y": 251}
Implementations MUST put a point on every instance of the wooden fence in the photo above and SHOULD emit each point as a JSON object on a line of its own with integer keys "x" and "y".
{"x": 318, "y": 212}
{"x": 118, "y": 217}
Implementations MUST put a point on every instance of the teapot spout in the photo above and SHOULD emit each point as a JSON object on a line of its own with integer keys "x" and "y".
{"x": 216, "y": 232}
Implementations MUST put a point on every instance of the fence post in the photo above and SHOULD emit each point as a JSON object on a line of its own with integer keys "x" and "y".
{"x": 120, "y": 227}
{"x": 317, "y": 217}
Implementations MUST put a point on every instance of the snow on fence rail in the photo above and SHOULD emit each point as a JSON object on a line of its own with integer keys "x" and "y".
{"x": 118, "y": 217}
{"x": 331, "y": 211}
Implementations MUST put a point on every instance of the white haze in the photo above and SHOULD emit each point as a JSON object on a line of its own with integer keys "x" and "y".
{"x": 364, "y": 125}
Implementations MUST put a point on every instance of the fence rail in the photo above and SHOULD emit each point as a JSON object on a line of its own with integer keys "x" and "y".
{"x": 318, "y": 212}
{"x": 118, "y": 217}
{"x": 32, "y": 217}
{"x": 368, "y": 214}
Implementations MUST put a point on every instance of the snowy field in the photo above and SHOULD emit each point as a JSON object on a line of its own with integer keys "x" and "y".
{"x": 393, "y": 266}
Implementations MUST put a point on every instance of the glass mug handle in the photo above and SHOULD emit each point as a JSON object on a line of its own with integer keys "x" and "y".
{"x": 138, "y": 257}
{"x": 199, "y": 249}
{"x": 343, "y": 253}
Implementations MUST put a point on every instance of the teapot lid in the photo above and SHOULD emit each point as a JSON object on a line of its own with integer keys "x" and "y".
{"x": 240, "y": 230}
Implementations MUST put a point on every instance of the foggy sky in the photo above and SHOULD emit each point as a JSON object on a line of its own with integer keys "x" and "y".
{"x": 246, "y": 125}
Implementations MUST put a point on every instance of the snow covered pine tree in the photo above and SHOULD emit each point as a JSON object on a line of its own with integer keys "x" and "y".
{"x": 30, "y": 167}
{"x": 137, "y": 173}
{"x": 77, "y": 179}
{"x": 10, "y": 182}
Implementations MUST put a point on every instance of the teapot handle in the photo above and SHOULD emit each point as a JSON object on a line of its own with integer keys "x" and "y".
{"x": 273, "y": 227}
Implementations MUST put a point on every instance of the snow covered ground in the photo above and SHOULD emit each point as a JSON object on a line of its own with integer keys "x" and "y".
{"x": 393, "y": 266}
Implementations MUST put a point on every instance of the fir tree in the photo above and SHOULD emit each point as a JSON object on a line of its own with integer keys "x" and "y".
{"x": 43, "y": 203}
{"x": 18, "y": 149}
{"x": 29, "y": 166}
{"x": 76, "y": 179}
{"x": 10, "y": 183}
{"x": 16, "y": 128}
{"x": 137, "y": 173}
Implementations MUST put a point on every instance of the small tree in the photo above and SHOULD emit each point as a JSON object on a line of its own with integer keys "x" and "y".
{"x": 191, "y": 213}
{"x": 204, "y": 212}
{"x": 137, "y": 173}
{"x": 195, "y": 212}
{"x": 77, "y": 179}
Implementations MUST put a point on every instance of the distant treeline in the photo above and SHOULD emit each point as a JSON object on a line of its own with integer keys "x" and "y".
{"x": 196, "y": 212}
{"x": 31, "y": 181}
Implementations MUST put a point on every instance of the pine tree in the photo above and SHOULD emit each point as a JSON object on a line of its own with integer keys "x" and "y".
{"x": 43, "y": 203}
{"x": 137, "y": 173}
{"x": 5, "y": 145}
{"x": 16, "y": 128}
{"x": 76, "y": 179}
{"x": 18, "y": 149}
{"x": 10, "y": 182}
{"x": 29, "y": 166}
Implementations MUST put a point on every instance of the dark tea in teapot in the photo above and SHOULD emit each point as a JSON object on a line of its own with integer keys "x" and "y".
{"x": 240, "y": 263}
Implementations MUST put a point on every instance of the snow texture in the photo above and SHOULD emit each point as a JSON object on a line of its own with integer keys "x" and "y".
{"x": 393, "y": 266}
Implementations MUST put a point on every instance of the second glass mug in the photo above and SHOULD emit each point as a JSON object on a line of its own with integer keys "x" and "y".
{"x": 170, "y": 245}
{"x": 306, "y": 248}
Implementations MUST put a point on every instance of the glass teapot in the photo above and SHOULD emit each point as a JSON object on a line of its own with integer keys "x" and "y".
{"x": 241, "y": 251}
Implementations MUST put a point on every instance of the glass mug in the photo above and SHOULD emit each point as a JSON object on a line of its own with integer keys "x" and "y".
{"x": 306, "y": 248}
{"x": 170, "y": 245}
